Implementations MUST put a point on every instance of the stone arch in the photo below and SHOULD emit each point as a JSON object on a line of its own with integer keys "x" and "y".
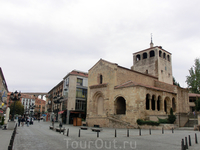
{"x": 173, "y": 104}
{"x": 100, "y": 106}
{"x": 153, "y": 102}
{"x": 147, "y": 101}
{"x": 164, "y": 55}
{"x": 144, "y": 55}
{"x": 98, "y": 99}
{"x": 167, "y": 105}
{"x": 159, "y": 103}
{"x": 160, "y": 53}
{"x": 168, "y": 58}
{"x": 138, "y": 57}
{"x": 120, "y": 105}
{"x": 152, "y": 53}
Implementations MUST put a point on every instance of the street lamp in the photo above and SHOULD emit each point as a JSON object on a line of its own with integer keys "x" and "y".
{"x": 31, "y": 107}
{"x": 57, "y": 101}
{"x": 14, "y": 97}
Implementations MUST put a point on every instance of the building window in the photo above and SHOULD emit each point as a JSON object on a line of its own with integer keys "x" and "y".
{"x": 144, "y": 55}
{"x": 79, "y": 82}
{"x": 164, "y": 55}
{"x": 138, "y": 57}
{"x": 81, "y": 93}
{"x": 80, "y": 105}
{"x": 101, "y": 79}
{"x": 67, "y": 81}
{"x": 160, "y": 53}
{"x": 152, "y": 53}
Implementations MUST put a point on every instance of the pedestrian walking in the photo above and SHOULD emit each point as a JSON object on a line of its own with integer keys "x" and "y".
{"x": 19, "y": 120}
{"x": 31, "y": 121}
{"x": 52, "y": 122}
{"x": 38, "y": 119}
{"x": 28, "y": 120}
{"x": 22, "y": 121}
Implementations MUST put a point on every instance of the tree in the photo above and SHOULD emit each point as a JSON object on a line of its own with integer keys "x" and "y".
{"x": 171, "y": 117}
{"x": 193, "y": 80}
{"x": 197, "y": 104}
{"x": 175, "y": 82}
{"x": 19, "y": 108}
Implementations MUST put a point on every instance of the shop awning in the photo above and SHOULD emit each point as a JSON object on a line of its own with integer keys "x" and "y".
{"x": 60, "y": 112}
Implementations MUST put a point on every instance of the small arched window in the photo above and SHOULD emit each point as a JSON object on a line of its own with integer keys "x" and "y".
{"x": 138, "y": 57}
{"x": 101, "y": 79}
{"x": 144, "y": 55}
{"x": 152, "y": 53}
{"x": 160, "y": 53}
{"x": 168, "y": 57}
{"x": 164, "y": 55}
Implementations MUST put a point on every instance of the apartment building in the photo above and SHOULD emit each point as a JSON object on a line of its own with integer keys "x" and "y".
{"x": 3, "y": 93}
{"x": 74, "y": 100}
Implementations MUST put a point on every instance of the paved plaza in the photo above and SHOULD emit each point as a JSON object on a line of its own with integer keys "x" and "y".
{"x": 40, "y": 137}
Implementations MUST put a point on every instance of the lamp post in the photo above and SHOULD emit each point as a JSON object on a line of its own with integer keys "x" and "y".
{"x": 31, "y": 107}
{"x": 14, "y": 97}
{"x": 57, "y": 101}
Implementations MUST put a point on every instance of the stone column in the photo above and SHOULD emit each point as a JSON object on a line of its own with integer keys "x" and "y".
{"x": 156, "y": 105}
{"x": 198, "y": 119}
{"x": 150, "y": 104}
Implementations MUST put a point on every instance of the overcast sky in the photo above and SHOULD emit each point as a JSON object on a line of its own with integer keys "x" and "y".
{"x": 43, "y": 40}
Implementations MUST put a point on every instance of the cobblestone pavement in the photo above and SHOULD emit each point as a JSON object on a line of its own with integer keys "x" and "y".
{"x": 5, "y": 136}
{"x": 40, "y": 137}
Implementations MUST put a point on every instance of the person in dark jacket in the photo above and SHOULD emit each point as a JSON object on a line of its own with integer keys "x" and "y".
{"x": 19, "y": 120}
{"x": 23, "y": 120}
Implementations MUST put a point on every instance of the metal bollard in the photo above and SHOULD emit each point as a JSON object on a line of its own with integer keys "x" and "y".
{"x": 9, "y": 147}
{"x": 68, "y": 132}
{"x": 115, "y": 133}
{"x": 150, "y": 131}
{"x": 127, "y": 132}
{"x": 97, "y": 133}
{"x": 189, "y": 140}
{"x": 196, "y": 138}
{"x": 139, "y": 132}
{"x": 11, "y": 142}
{"x": 79, "y": 133}
{"x": 64, "y": 131}
{"x": 162, "y": 130}
{"x": 182, "y": 145}
{"x": 172, "y": 130}
{"x": 186, "y": 143}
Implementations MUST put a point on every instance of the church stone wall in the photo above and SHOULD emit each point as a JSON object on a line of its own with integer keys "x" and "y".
{"x": 124, "y": 75}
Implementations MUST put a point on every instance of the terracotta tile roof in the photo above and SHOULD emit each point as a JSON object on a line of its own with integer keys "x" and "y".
{"x": 74, "y": 72}
{"x": 132, "y": 84}
{"x": 193, "y": 95}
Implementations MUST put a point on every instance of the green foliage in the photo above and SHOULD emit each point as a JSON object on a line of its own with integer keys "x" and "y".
{"x": 193, "y": 80}
{"x": 171, "y": 117}
{"x": 197, "y": 105}
{"x": 149, "y": 122}
{"x": 175, "y": 82}
{"x": 19, "y": 108}
{"x": 163, "y": 120}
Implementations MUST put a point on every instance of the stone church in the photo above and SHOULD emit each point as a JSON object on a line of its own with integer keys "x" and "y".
{"x": 118, "y": 96}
